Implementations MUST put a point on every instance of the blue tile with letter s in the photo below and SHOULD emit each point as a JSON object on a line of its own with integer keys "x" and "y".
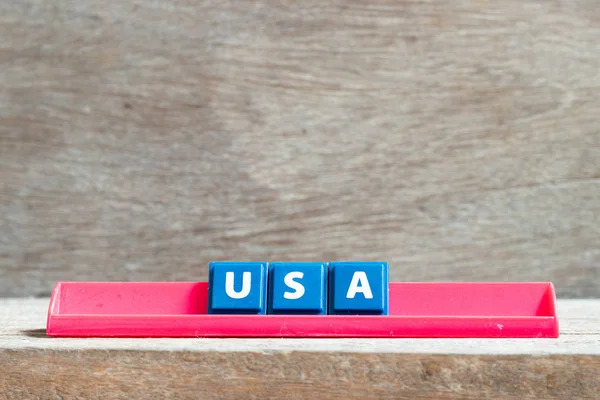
{"x": 297, "y": 288}
{"x": 237, "y": 287}
{"x": 357, "y": 288}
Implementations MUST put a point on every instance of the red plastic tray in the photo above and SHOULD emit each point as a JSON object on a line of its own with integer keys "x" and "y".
{"x": 416, "y": 310}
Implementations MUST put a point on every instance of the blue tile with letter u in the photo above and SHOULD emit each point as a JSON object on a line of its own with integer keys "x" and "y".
{"x": 358, "y": 288}
{"x": 298, "y": 288}
{"x": 237, "y": 287}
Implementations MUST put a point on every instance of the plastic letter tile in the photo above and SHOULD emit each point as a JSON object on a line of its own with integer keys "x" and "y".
{"x": 298, "y": 288}
{"x": 358, "y": 288}
{"x": 237, "y": 287}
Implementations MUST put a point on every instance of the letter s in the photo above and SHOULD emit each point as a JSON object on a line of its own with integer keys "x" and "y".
{"x": 292, "y": 284}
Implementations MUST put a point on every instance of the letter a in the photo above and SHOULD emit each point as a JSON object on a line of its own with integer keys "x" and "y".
{"x": 292, "y": 284}
{"x": 245, "y": 285}
{"x": 364, "y": 288}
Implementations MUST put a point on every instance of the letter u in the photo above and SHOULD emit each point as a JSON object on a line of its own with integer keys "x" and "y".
{"x": 246, "y": 285}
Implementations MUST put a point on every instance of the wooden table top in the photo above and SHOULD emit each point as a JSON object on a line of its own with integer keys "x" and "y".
{"x": 37, "y": 365}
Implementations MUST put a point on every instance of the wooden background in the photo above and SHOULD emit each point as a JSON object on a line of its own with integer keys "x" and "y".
{"x": 458, "y": 140}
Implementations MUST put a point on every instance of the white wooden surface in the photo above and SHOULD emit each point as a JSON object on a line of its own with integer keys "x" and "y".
{"x": 22, "y": 322}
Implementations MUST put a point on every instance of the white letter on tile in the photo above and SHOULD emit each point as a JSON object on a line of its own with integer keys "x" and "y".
{"x": 246, "y": 284}
{"x": 292, "y": 284}
{"x": 364, "y": 288}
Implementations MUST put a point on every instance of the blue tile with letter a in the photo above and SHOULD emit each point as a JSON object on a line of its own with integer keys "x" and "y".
{"x": 357, "y": 288}
{"x": 237, "y": 287}
{"x": 298, "y": 288}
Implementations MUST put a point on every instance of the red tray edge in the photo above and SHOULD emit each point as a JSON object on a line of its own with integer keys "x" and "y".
{"x": 228, "y": 326}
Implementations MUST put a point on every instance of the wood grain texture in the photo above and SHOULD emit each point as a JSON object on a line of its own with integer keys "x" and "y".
{"x": 98, "y": 374}
{"x": 35, "y": 366}
{"x": 140, "y": 140}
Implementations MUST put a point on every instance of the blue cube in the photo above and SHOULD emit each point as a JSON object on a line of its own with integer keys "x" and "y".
{"x": 237, "y": 287}
{"x": 357, "y": 288}
{"x": 298, "y": 288}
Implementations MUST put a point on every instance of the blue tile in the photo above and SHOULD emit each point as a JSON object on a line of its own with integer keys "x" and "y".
{"x": 357, "y": 288}
{"x": 298, "y": 288}
{"x": 237, "y": 287}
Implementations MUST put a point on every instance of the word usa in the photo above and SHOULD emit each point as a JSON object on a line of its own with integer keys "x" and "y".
{"x": 345, "y": 288}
